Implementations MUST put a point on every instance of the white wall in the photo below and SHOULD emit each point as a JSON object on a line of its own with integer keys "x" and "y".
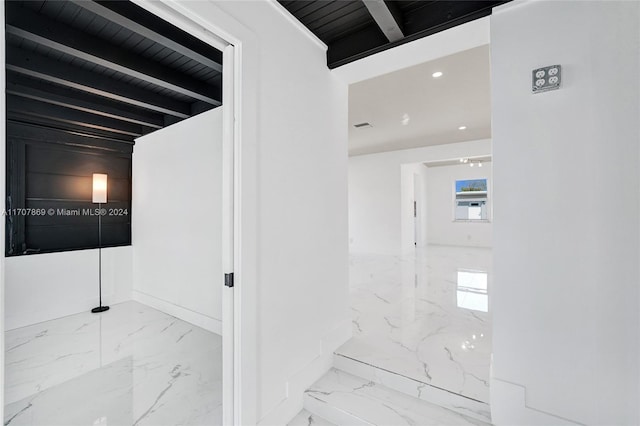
{"x": 565, "y": 298}
{"x": 377, "y": 210}
{"x": 301, "y": 209}
{"x": 441, "y": 228}
{"x": 41, "y": 287}
{"x": 292, "y": 288}
{"x": 177, "y": 220}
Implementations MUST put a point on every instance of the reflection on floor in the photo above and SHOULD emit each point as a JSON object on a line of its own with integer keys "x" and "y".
{"x": 132, "y": 365}
{"x": 425, "y": 317}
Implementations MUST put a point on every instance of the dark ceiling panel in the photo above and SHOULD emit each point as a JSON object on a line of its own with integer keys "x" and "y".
{"x": 135, "y": 13}
{"x": 354, "y": 43}
{"x": 412, "y": 5}
{"x": 53, "y": 9}
{"x": 352, "y": 13}
{"x": 64, "y": 115}
{"x": 57, "y": 72}
{"x": 329, "y": 13}
{"x": 59, "y": 95}
{"x": 92, "y": 49}
{"x": 443, "y": 13}
{"x": 19, "y": 117}
{"x": 309, "y": 9}
{"x": 107, "y": 69}
{"x": 350, "y": 23}
{"x": 351, "y": 33}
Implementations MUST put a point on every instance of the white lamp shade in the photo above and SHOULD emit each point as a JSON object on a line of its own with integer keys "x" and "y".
{"x": 99, "y": 188}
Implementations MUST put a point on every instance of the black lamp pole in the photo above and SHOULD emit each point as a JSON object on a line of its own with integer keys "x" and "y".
{"x": 100, "y": 308}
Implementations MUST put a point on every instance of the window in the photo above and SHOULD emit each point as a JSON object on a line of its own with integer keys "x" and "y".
{"x": 471, "y": 200}
{"x": 49, "y": 187}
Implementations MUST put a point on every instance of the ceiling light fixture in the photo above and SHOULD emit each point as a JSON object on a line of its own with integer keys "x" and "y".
{"x": 405, "y": 119}
{"x": 437, "y": 74}
{"x": 471, "y": 162}
{"x": 462, "y": 128}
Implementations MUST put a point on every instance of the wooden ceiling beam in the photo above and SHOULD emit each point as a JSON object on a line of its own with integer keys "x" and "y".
{"x": 44, "y": 92}
{"x": 381, "y": 13}
{"x": 116, "y": 13}
{"x": 45, "y": 32}
{"x": 47, "y": 69}
{"x": 64, "y": 116}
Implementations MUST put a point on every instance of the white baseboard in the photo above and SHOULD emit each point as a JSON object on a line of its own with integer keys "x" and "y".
{"x": 509, "y": 407}
{"x": 298, "y": 383}
{"x": 208, "y": 323}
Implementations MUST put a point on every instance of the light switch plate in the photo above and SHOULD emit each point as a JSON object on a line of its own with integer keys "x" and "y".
{"x": 546, "y": 78}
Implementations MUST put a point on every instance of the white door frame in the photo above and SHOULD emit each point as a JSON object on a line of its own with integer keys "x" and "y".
{"x": 3, "y": 178}
{"x": 209, "y": 22}
{"x": 240, "y": 57}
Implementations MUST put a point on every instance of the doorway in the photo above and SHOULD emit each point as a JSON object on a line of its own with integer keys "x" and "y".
{"x": 99, "y": 327}
{"x": 420, "y": 275}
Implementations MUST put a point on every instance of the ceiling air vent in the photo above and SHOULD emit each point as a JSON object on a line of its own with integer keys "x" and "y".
{"x": 362, "y": 125}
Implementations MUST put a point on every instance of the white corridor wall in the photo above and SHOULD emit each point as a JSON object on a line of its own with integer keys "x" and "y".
{"x": 380, "y": 194}
{"x": 566, "y": 297}
{"x": 177, "y": 220}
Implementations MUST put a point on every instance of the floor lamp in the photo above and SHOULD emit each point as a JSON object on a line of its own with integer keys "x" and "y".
{"x": 99, "y": 196}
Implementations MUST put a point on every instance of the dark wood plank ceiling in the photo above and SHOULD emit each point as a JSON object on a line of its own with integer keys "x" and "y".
{"x": 352, "y": 28}
{"x": 106, "y": 69}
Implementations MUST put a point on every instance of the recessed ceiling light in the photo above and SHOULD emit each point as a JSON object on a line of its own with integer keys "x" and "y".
{"x": 405, "y": 119}
{"x": 437, "y": 74}
{"x": 462, "y": 127}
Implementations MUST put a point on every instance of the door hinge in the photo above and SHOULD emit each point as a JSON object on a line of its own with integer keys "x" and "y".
{"x": 228, "y": 280}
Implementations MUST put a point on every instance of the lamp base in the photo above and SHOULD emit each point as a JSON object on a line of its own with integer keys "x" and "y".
{"x": 100, "y": 309}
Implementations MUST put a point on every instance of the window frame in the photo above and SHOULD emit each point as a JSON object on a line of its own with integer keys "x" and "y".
{"x": 487, "y": 200}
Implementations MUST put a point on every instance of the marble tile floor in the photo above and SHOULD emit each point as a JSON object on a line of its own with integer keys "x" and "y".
{"x": 425, "y": 317}
{"x": 131, "y": 365}
{"x": 348, "y": 400}
{"x": 419, "y": 390}
{"x": 305, "y": 418}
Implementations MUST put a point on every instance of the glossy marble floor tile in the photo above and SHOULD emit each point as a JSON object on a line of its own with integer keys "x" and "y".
{"x": 417, "y": 389}
{"x": 305, "y": 418}
{"x": 349, "y": 400}
{"x": 131, "y": 365}
{"x": 425, "y": 316}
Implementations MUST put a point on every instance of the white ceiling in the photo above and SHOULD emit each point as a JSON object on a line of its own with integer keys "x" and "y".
{"x": 436, "y": 106}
